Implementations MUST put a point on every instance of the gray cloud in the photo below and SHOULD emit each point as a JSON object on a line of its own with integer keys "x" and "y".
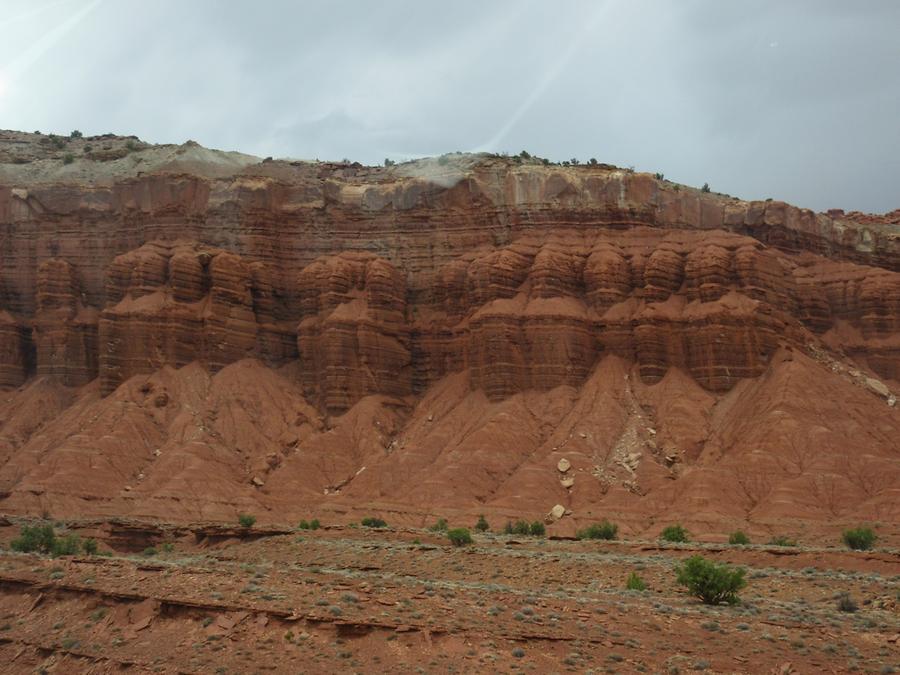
{"x": 797, "y": 101}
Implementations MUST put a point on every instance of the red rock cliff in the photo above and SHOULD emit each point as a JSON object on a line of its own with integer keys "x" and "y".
{"x": 358, "y": 282}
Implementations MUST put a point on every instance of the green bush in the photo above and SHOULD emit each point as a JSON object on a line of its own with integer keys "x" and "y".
{"x": 76, "y": 134}
{"x": 713, "y": 583}
{"x": 373, "y": 522}
{"x": 482, "y": 524}
{"x": 705, "y": 188}
{"x": 603, "y": 530}
{"x": 34, "y": 538}
{"x": 537, "y": 529}
{"x": 439, "y": 526}
{"x": 675, "y": 533}
{"x": 89, "y": 546}
{"x": 149, "y": 552}
{"x": 303, "y": 525}
{"x": 519, "y": 527}
{"x": 168, "y": 547}
{"x": 246, "y": 520}
{"x": 738, "y": 538}
{"x": 68, "y": 158}
{"x": 860, "y": 538}
{"x": 314, "y": 524}
{"x": 43, "y": 539}
{"x": 635, "y": 583}
{"x": 459, "y": 536}
{"x": 68, "y": 545}
{"x": 781, "y": 540}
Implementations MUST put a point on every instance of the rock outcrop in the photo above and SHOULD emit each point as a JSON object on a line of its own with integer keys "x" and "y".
{"x": 475, "y": 289}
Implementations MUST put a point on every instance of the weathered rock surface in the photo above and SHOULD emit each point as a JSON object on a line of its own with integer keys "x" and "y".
{"x": 434, "y": 335}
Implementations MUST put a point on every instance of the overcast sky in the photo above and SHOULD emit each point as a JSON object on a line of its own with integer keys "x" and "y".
{"x": 791, "y": 100}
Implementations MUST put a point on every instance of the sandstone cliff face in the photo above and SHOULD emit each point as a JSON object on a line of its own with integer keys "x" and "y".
{"x": 370, "y": 290}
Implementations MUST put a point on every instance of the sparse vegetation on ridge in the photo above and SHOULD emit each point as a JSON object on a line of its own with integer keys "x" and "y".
{"x": 860, "y": 538}
{"x": 738, "y": 538}
{"x": 675, "y": 533}
{"x": 782, "y": 540}
{"x": 601, "y": 530}
{"x": 373, "y": 522}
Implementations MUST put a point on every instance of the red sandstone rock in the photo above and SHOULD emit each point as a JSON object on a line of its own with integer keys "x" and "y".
{"x": 443, "y": 338}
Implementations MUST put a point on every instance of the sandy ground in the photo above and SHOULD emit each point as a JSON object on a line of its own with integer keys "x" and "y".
{"x": 353, "y": 599}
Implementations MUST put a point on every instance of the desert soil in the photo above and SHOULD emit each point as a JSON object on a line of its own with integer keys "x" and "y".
{"x": 354, "y": 599}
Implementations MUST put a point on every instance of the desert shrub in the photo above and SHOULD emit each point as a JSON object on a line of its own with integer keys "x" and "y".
{"x": 167, "y": 547}
{"x": 860, "y": 538}
{"x": 675, "y": 533}
{"x": 246, "y": 520}
{"x": 68, "y": 158}
{"x": 602, "y": 530}
{"x": 712, "y": 582}
{"x": 131, "y": 145}
{"x": 89, "y": 546}
{"x": 314, "y": 524}
{"x": 459, "y": 536}
{"x": 439, "y": 526}
{"x": 659, "y": 176}
{"x": 519, "y": 527}
{"x": 76, "y": 134}
{"x": 537, "y": 529}
{"x": 846, "y": 603}
{"x": 43, "y": 539}
{"x": 388, "y": 162}
{"x": 738, "y": 538}
{"x": 303, "y": 525}
{"x": 34, "y": 538}
{"x": 67, "y": 545}
{"x": 705, "y": 188}
{"x": 57, "y": 142}
{"x": 482, "y": 524}
{"x": 150, "y": 551}
{"x": 373, "y": 522}
{"x": 592, "y": 161}
{"x": 635, "y": 583}
{"x": 781, "y": 540}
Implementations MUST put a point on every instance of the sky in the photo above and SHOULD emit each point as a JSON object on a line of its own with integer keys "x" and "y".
{"x": 795, "y": 100}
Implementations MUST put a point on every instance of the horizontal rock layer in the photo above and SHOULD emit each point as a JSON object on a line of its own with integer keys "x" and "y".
{"x": 379, "y": 281}
{"x": 284, "y": 339}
